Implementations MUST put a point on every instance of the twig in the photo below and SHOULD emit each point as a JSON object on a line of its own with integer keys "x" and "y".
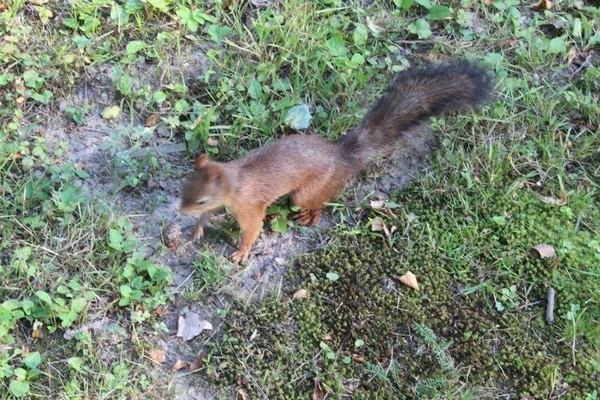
{"x": 550, "y": 306}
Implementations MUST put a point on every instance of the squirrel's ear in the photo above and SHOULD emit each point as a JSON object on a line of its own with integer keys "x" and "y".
{"x": 201, "y": 161}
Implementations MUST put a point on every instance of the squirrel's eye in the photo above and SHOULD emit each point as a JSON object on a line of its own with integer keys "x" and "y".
{"x": 202, "y": 201}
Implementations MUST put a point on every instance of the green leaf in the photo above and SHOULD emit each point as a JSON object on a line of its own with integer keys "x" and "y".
{"x": 75, "y": 363}
{"x": 499, "y": 220}
{"x": 298, "y": 117}
{"x": 420, "y": 28}
{"x": 159, "y": 96}
{"x": 33, "y": 360}
{"x": 19, "y": 388}
{"x": 115, "y": 239}
{"x": 181, "y": 106}
{"x": 135, "y": 46}
{"x": 255, "y": 89}
{"x": 279, "y": 225}
{"x": 125, "y": 290}
{"x": 438, "y": 12}
{"x": 424, "y": 3}
{"x": 357, "y": 59}
{"x": 43, "y": 98}
{"x": 359, "y": 343}
{"x": 404, "y": 4}
{"x": 336, "y": 45}
{"x": 360, "y": 35}
{"x": 43, "y": 296}
{"x": 557, "y": 46}
{"x": 332, "y": 276}
{"x": 346, "y": 360}
{"x": 162, "y": 5}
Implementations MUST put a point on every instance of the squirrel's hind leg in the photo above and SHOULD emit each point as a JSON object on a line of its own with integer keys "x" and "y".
{"x": 311, "y": 198}
{"x": 308, "y": 217}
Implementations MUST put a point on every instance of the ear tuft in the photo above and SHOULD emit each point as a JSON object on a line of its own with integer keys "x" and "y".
{"x": 201, "y": 161}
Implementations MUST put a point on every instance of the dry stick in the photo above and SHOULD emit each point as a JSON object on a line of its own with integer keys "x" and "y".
{"x": 550, "y": 306}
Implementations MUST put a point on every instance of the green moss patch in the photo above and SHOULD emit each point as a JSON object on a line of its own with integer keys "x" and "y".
{"x": 477, "y": 326}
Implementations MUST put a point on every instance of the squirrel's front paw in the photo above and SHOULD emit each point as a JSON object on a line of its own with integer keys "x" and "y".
{"x": 240, "y": 256}
{"x": 198, "y": 233}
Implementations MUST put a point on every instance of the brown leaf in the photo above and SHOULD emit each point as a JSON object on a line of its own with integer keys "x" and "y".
{"x": 37, "y": 330}
{"x": 152, "y": 120}
{"x": 571, "y": 55}
{"x": 157, "y": 355}
{"x": 179, "y": 364}
{"x": 243, "y": 394}
{"x": 25, "y": 351}
{"x": 212, "y": 142}
{"x": 318, "y": 393}
{"x": 542, "y": 5}
{"x": 545, "y": 250}
{"x": 358, "y": 357}
{"x": 488, "y": 2}
{"x": 196, "y": 364}
{"x": 563, "y": 196}
{"x": 79, "y": 166}
{"x": 300, "y": 294}
{"x": 326, "y": 337}
{"x": 410, "y": 280}
{"x": 161, "y": 311}
{"x": 552, "y": 200}
{"x": 377, "y": 224}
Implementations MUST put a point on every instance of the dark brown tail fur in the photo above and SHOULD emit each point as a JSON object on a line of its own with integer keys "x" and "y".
{"x": 415, "y": 95}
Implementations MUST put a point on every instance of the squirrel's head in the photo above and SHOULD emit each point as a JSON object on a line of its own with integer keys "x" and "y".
{"x": 205, "y": 189}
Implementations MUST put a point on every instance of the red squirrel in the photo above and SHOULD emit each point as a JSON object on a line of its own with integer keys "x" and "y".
{"x": 315, "y": 169}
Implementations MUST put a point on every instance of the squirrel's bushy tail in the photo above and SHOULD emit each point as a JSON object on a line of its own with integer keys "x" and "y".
{"x": 415, "y": 95}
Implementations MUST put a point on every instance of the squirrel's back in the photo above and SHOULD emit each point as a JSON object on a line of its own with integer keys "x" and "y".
{"x": 415, "y": 95}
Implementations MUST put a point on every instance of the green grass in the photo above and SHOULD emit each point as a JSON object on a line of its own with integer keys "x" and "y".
{"x": 70, "y": 260}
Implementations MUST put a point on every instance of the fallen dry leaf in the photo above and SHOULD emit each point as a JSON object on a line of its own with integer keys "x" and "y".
{"x": 243, "y": 394}
{"x": 377, "y": 224}
{"x": 410, "y": 280}
{"x": 552, "y": 200}
{"x": 326, "y": 337}
{"x": 358, "y": 357}
{"x": 157, "y": 355}
{"x": 161, "y": 311}
{"x": 191, "y": 326}
{"x": 196, "y": 365}
{"x": 488, "y": 2}
{"x": 545, "y": 250}
{"x": 563, "y": 196}
{"x": 571, "y": 55}
{"x": 318, "y": 393}
{"x": 37, "y": 330}
{"x": 25, "y": 351}
{"x": 300, "y": 294}
{"x": 377, "y": 204}
{"x": 152, "y": 120}
{"x": 542, "y": 5}
{"x": 179, "y": 364}
{"x": 212, "y": 142}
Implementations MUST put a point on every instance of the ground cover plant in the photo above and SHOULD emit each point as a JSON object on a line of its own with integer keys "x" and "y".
{"x": 102, "y": 105}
